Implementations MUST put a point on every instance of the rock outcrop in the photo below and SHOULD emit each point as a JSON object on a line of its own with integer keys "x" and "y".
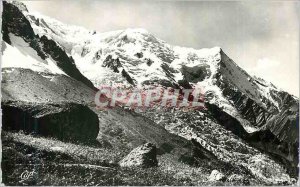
{"x": 64, "y": 121}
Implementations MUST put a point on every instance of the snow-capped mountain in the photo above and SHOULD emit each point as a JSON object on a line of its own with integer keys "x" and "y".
{"x": 249, "y": 122}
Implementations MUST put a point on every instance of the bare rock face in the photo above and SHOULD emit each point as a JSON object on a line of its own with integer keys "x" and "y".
{"x": 144, "y": 156}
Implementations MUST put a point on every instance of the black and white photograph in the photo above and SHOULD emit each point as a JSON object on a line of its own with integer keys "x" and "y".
{"x": 149, "y": 93}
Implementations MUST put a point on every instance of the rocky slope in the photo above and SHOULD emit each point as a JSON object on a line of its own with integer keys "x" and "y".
{"x": 249, "y": 125}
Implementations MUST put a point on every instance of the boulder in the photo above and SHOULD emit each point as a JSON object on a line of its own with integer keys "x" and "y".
{"x": 142, "y": 156}
{"x": 64, "y": 121}
{"x": 216, "y": 176}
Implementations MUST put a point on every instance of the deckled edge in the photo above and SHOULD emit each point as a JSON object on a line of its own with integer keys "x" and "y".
{"x": 1, "y": 10}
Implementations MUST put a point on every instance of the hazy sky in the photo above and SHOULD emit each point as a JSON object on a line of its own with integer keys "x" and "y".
{"x": 261, "y": 37}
